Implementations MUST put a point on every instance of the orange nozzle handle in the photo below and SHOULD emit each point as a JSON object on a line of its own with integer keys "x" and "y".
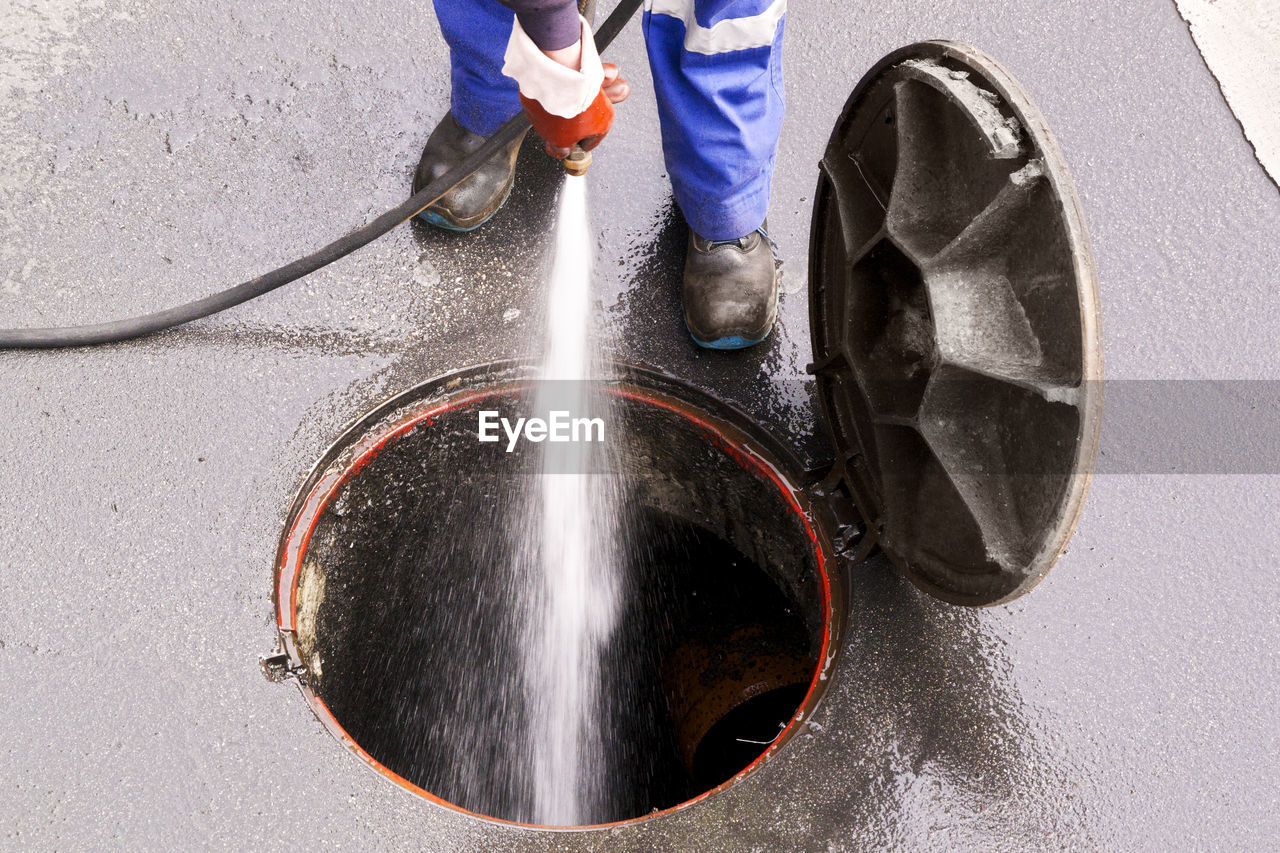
{"x": 585, "y": 129}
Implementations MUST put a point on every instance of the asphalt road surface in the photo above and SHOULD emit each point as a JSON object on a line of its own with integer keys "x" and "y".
{"x": 151, "y": 152}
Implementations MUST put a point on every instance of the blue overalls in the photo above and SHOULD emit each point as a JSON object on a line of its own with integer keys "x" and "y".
{"x": 717, "y": 76}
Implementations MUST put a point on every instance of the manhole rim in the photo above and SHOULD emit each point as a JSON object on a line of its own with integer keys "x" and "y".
{"x": 751, "y": 446}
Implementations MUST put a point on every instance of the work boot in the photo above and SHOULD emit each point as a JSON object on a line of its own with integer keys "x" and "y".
{"x": 730, "y": 290}
{"x": 470, "y": 204}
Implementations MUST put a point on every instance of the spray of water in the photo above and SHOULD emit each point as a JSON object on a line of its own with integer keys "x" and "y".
{"x": 572, "y": 550}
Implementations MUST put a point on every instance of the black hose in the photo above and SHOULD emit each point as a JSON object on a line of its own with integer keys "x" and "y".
{"x": 136, "y": 327}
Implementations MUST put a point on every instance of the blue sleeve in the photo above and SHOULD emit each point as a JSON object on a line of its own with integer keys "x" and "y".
{"x": 552, "y": 24}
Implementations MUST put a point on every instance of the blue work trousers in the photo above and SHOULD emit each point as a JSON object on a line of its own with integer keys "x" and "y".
{"x": 717, "y": 76}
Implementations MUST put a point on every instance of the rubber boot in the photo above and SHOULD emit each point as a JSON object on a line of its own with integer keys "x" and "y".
{"x": 730, "y": 291}
{"x": 470, "y": 204}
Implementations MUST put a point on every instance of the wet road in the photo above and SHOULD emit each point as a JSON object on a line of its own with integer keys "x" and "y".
{"x": 155, "y": 151}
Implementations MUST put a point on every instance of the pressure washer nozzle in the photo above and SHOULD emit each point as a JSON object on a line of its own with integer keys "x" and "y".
{"x": 577, "y": 162}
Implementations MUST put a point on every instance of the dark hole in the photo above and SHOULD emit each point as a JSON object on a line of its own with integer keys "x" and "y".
{"x": 406, "y": 625}
{"x": 706, "y": 626}
{"x": 738, "y": 737}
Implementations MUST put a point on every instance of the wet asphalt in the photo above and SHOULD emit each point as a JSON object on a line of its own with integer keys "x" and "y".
{"x": 155, "y": 151}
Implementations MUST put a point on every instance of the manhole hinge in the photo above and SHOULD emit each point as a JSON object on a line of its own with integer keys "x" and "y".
{"x": 844, "y": 489}
{"x": 278, "y": 667}
{"x": 866, "y": 544}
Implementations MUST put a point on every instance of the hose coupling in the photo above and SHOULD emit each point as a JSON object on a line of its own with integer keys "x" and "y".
{"x": 577, "y": 162}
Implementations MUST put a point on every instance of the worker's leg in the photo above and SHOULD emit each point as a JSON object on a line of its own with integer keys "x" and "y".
{"x": 477, "y": 32}
{"x": 482, "y": 99}
{"x": 717, "y": 74}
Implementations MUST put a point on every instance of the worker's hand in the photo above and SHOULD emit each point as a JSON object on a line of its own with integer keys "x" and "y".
{"x": 568, "y": 92}
{"x": 616, "y": 89}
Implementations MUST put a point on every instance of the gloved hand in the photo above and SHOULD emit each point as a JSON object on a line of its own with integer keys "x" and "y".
{"x": 568, "y": 93}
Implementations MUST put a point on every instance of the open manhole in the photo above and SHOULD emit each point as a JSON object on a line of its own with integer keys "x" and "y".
{"x": 957, "y": 357}
{"x": 395, "y": 596}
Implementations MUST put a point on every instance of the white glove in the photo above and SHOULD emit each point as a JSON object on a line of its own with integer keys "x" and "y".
{"x": 560, "y": 90}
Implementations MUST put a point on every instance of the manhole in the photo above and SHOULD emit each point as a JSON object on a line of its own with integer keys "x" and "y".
{"x": 394, "y": 597}
{"x": 957, "y": 356}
